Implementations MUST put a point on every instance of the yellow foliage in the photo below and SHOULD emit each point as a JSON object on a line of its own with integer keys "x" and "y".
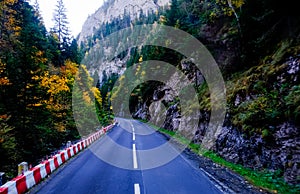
{"x": 229, "y": 6}
{"x": 162, "y": 19}
{"x": 97, "y": 95}
{"x": 86, "y": 97}
{"x": 71, "y": 69}
{"x": 56, "y": 83}
{"x": 10, "y": 2}
{"x": 60, "y": 127}
{"x": 8, "y": 15}
{"x": 122, "y": 77}
{"x": 4, "y": 81}
{"x": 137, "y": 70}
{"x": 38, "y": 57}
{"x": 35, "y": 105}
{"x": 141, "y": 59}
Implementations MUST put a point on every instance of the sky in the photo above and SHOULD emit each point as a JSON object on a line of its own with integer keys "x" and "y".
{"x": 77, "y": 12}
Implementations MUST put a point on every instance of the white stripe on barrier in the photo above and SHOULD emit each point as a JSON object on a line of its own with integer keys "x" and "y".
{"x": 43, "y": 171}
{"x": 65, "y": 152}
{"x": 30, "y": 182}
{"x": 71, "y": 151}
{"x": 59, "y": 161}
{"x": 52, "y": 165}
{"x": 11, "y": 187}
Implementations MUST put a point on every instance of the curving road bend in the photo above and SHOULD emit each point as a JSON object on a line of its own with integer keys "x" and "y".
{"x": 132, "y": 159}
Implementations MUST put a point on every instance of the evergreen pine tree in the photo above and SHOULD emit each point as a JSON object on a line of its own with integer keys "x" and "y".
{"x": 37, "y": 10}
{"x": 61, "y": 22}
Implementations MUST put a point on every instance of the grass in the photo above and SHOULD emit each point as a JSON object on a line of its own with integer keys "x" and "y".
{"x": 269, "y": 181}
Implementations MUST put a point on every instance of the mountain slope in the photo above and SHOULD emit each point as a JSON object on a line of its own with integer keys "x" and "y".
{"x": 113, "y": 9}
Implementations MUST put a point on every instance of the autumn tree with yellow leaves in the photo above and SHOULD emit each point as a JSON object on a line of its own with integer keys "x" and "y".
{"x": 36, "y": 115}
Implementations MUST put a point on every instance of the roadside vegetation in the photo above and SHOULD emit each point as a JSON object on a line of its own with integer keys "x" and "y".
{"x": 272, "y": 182}
{"x": 37, "y": 73}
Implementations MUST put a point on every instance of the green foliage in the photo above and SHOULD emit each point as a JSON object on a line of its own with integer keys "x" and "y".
{"x": 61, "y": 23}
{"x": 269, "y": 181}
{"x": 258, "y": 100}
{"x": 7, "y": 146}
{"x": 257, "y": 113}
{"x": 204, "y": 98}
{"x": 293, "y": 104}
{"x": 35, "y": 96}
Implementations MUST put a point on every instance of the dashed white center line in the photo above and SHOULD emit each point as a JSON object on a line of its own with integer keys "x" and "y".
{"x": 137, "y": 189}
{"x": 135, "y": 165}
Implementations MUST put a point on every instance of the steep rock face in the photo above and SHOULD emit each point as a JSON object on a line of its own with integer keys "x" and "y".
{"x": 282, "y": 153}
{"x": 277, "y": 151}
{"x": 116, "y": 8}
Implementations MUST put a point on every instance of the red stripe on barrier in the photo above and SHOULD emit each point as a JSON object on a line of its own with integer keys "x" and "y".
{"x": 3, "y": 190}
{"x": 55, "y": 162}
{"x": 69, "y": 152}
{"x": 37, "y": 175}
{"x": 21, "y": 184}
{"x": 78, "y": 147}
{"x": 82, "y": 144}
{"x": 47, "y": 167}
{"x": 62, "y": 155}
{"x": 74, "y": 150}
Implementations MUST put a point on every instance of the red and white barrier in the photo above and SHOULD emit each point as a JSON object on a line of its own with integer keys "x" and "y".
{"x": 23, "y": 183}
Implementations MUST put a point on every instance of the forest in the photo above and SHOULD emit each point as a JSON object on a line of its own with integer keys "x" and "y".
{"x": 37, "y": 72}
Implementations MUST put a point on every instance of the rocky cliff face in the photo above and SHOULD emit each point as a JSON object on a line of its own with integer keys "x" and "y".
{"x": 113, "y": 9}
{"x": 278, "y": 151}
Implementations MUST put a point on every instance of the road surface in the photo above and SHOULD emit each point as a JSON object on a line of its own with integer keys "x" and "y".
{"x": 117, "y": 164}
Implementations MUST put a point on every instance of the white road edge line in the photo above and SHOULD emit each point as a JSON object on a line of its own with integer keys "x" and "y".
{"x": 137, "y": 189}
{"x": 220, "y": 186}
{"x": 133, "y": 136}
{"x": 135, "y": 165}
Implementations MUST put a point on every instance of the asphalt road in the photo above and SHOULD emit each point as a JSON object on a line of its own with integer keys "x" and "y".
{"x": 132, "y": 158}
